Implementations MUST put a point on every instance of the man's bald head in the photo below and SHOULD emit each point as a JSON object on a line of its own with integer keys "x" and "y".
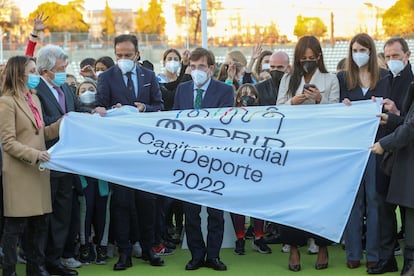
{"x": 279, "y": 61}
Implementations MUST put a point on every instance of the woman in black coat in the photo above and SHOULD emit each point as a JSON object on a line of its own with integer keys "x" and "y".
{"x": 401, "y": 191}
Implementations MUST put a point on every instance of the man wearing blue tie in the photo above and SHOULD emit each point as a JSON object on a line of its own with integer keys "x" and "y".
{"x": 203, "y": 92}
{"x": 127, "y": 83}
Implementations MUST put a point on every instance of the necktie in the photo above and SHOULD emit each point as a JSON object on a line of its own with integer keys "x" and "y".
{"x": 130, "y": 83}
{"x": 61, "y": 97}
{"x": 199, "y": 98}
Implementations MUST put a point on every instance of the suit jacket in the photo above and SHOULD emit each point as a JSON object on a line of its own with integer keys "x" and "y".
{"x": 267, "y": 92}
{"x": 111, "y": 89}
{"x": 327, "y": 84}
{"x": 400, "y": 142}
{"x": 26, "y": 189}
{"x": 218, "y": 94}
{"x": 52, "y": 110}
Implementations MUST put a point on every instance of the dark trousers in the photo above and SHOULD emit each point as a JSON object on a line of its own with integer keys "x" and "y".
{"x": 70, "y": 245}
{"x": 297, "y": 237}
{"x": 36, "y": 228}
{"x": 387, "y": 227}
{"x": 124, "y": 218}
{"x": 146, "y": 204}
{"x": 95, "y": 213}
{"x": 60, "y": 219}
{"x": 162, "y": 207}
{"x": 215, "y": 227}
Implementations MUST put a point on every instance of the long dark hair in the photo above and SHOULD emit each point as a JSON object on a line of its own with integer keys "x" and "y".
{"x": 305, "y": 42}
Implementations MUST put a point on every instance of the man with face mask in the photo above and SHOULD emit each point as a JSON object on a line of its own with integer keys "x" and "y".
{"x": 57, "y": 99}
{"x": 128, "y": 83}
{"x": 397, "y": 55}
{"x": 268, "y": 89}
{"x": 203, "y": 92}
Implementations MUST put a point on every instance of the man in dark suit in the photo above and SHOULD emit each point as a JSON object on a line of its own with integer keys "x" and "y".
{"x": 57, "y": 99}
{"x": 129, "y": 84}
{"x": 203, "y": 92}
{"x": 268, "y": 89}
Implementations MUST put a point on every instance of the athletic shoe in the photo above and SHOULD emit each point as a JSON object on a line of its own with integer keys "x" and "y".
{"x": 249, "y": 233}
{"x": 397, "y": 249}
{"x": 70, "y": 262}
{"x": 260, "y": 246}
{"x": 137, "y": 250}
{"x": 21, "y": 257}
{"x": 239, "y": 250}
{"x": 101, "y": 255}
{"x": 84, "y": 254}
{"x": 285, "y": 248}
{"x": 313, "y": 248}
{"x": 162, "y": 250}
{"x": 110, "y": 250}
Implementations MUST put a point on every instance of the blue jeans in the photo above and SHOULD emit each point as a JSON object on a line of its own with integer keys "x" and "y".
{"x": 366, "y": 204}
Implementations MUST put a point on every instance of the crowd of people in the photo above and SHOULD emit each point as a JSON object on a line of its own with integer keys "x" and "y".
{"x": 55, "y": 222}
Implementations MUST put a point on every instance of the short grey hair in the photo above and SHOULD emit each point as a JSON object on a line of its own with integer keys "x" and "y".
{"x": 47, "y": 56}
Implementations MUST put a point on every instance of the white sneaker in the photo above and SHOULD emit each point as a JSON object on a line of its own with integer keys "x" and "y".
{"x": 313, "y": 248}
{"x": 285, "y": 248}
{"x": 110, "y": 250}
{"x": 70, "y": 263}
{"x": 137, "y": 250}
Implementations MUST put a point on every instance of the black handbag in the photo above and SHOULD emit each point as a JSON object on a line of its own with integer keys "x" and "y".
{"x": 387, "y": 163}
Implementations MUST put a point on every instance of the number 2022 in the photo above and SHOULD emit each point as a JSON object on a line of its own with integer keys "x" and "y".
{"x": 193, "y": 181}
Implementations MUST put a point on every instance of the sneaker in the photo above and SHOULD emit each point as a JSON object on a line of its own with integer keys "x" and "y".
{"x": 313, "y": 248}
{"x": 260, "y": 246}
{"x": 239, "y": 250}
{"x": 162, "y": 250}
{"x": 249, "y": 233}
{"x": 101, "y": 255}
{"x": 137, "y": 250}
{"x": 84, "y": 254}
{"x": 110, "y": 250}
{"x": 70, "y": 262}
{"x": 285, "y": 248}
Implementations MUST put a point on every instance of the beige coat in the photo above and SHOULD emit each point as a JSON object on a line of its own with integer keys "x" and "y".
{"x": 26, "y": 189}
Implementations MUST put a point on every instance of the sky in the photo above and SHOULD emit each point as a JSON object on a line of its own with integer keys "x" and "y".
{"x": 28, "y": 6}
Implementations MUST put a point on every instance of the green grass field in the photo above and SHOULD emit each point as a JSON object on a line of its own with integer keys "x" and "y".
{"x": 253, "y": 263}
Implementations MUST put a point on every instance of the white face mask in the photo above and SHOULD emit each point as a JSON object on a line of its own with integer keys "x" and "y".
{"x": 172, "y": 66}
{"x": 126, "y": 65}
{"x": 98, "y": 73}
{"x": 87, "y": 97}
{"x": 360, "y": 59}
{"x": 199, "y": 77}
{"x": 265, "y": 66}
{"x": 395, "y": 66}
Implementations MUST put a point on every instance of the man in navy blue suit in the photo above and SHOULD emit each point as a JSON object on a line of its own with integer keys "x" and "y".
{"x": 127, "y": 83}
{"x": 203, "y": 92}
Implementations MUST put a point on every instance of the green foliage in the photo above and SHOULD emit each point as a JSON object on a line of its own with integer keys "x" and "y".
{"x": 309, "y": 26}
{"x": 151, "y": 21}
{"x": 190, "y": 10}
{"x": 62, "y": 18}
{"x": 398, "y": 20}
{"x": 108, "y": 23}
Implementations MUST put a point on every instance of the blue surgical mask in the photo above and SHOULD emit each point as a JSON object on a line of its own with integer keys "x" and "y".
{"x": 126, "y": 65}
{"x": 60, "y": 78}
{"x": 33, "y": 81}
{"x": 360, "y": 59}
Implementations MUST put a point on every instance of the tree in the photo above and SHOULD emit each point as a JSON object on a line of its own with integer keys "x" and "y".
{"x": 397, "y": 20}
{"x": 151, "y": 21}
{"x": 108, "y": 23}
{"x": 192, "y": 8}
{"x": 309, "y": 26}
{"x": 62, "y": 18}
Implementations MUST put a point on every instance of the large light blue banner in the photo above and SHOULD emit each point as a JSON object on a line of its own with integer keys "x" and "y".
{"x": 294, "y": 165}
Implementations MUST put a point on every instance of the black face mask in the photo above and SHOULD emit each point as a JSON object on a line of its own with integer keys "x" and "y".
{"x": 309, "y": 65}
{"x": 247, "y": 101}
{"x": 73, "y": 87}
{"x": 276, "y": 77}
